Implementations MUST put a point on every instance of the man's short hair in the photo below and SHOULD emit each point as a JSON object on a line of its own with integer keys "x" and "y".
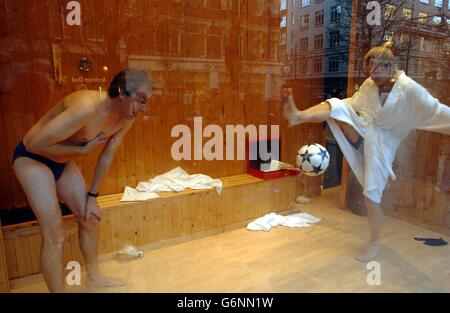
{"x": 128, "y": 82}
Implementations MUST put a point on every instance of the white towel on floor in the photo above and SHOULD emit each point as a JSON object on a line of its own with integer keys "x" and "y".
{"x": 175, "y": 180}
{"x": 268, "y": 221}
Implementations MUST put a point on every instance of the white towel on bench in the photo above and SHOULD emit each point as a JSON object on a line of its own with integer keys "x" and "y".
{"x": 131, "y": 194}
{"x": 268, "y": 221}
{"x": 175, "y": 180}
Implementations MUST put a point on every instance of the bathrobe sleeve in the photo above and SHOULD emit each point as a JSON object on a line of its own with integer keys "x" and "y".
{"x": 355, "y": 101}
{"x": 430, "y": 114}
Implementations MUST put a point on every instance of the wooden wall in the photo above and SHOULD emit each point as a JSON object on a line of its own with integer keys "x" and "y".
{"x": 183, "y": 41}
{"x": 422, "y": 192}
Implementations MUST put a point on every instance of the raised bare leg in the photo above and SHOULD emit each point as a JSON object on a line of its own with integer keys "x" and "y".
{"x": 38, "y": 184}
{"x": 316, "y": 114}
{"x": 349, "y": 132}
{"x": 375, "y": 218}
{"x": 72, "y": 190}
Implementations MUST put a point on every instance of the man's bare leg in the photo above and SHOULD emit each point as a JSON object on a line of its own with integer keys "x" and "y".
{"x": 375, "y": 218}
{"x": 349, "y": 132}
{"x": 320, "y": 113}
{"x": 72, "y": 190}
{"x": 316, "y": 114}
{"x": 88, "y": 235}
{"x": 38, "y": 183}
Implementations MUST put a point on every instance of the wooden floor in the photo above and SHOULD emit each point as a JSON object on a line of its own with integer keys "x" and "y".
{"x": 316, "y": 259}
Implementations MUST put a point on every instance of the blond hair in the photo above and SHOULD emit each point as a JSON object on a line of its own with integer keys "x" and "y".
{"x": 382, "y": 52}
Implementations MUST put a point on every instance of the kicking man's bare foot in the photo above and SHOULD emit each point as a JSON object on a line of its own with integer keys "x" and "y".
{"x": 369, "y": 252}
{"x": 98, "y": 280}
{"x": 290, "y": 111}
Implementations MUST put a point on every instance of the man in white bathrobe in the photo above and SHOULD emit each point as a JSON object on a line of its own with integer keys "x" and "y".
{"x": 370, "y": 126}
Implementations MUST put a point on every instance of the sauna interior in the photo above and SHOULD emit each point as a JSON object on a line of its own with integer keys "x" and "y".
{"x": 216, "y": 64}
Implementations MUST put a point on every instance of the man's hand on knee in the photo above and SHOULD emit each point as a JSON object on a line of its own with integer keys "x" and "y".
{"x": 92, "y": 209}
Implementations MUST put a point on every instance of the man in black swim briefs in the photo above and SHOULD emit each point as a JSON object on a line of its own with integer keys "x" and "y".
{"x": 44, "y": 166}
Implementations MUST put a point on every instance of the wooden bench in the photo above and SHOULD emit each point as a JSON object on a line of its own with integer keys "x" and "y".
{"x": 4, "y": 279}
{"x": 169, "y": 219}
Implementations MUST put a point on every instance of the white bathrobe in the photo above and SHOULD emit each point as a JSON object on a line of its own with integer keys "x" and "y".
{"x": 409, "y": 106}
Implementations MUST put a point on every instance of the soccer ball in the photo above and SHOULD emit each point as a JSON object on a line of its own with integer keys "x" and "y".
{"x": 313, "y": 159}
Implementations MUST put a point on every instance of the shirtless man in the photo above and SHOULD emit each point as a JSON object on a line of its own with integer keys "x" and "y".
{"x": 44, "y": 166}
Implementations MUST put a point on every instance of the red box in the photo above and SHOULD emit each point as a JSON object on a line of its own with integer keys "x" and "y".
{"x": 254, "y": 166}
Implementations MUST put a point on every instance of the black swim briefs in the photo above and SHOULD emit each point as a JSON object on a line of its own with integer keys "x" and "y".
{"x": 56, "y": 168}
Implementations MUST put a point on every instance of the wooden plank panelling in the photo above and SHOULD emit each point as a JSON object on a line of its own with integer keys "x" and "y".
{"x": 4, "y": 277}
{"x": 197, "y": 66}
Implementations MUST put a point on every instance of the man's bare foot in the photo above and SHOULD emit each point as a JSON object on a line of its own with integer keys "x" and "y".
{"x": 290, "y": 111}
{"x": 103, "y": 281}
{"x": 369, "y": 252}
